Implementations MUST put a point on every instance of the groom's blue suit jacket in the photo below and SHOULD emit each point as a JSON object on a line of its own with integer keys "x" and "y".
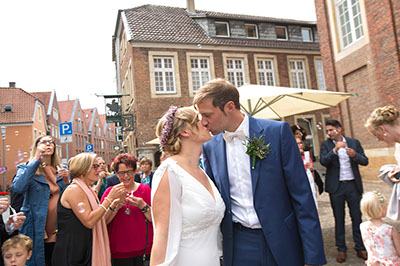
{"x": 282, "y": 196}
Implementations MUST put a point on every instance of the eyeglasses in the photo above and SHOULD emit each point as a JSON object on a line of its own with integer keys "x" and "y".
{"x": 47, "y": 142}
{"x": 96, "y": 166}
{"x": 122, "y": 173}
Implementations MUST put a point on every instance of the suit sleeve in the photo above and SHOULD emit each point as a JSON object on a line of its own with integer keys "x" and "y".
{"x": 360, "y": 157}
{"x": 327, "y": 155}
{"x": 303, "y": 202}
{"x": 206, "y": 164}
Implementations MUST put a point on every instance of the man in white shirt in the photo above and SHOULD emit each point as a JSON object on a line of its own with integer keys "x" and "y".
{"x": 341, "y": 157}
{"x": 270, "y": 216}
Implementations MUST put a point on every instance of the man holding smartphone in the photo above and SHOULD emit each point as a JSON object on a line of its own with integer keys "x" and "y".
{"x": 341, "y": 156}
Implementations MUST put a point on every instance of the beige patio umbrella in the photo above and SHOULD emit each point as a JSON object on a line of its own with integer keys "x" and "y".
{"x": 155, "y": 141}
{"x": 273, "y": 102}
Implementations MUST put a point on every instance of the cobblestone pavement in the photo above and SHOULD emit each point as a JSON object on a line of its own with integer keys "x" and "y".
{"x": 328, "y": 224}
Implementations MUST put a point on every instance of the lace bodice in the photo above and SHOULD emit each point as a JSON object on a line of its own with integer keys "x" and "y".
{"x": 195, "y": 217}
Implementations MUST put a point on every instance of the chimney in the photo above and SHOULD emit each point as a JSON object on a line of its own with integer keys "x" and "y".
{"x": 12, "y": 84}
{"x": 190, "y": 6}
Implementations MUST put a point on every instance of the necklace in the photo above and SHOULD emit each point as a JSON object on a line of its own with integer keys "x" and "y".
{"x": 128, "y": 211}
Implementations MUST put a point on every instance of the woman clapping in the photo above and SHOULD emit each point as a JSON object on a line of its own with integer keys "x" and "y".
{"x": 130, "y": 234}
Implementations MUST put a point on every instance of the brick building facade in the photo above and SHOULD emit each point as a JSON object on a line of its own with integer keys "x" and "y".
{"x": 25, "y": 118}
{"x": 164, "y": 54}
{"x": 359, "y": 43}
{"x": 88, "y": 127}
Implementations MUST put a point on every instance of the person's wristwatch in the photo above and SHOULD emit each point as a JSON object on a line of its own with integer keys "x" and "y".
{"x": 145, "y": 208}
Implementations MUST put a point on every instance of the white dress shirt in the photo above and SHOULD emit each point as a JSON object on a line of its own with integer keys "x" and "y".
{"x": 345, "y": 171}
{"x": 238, "y": 163}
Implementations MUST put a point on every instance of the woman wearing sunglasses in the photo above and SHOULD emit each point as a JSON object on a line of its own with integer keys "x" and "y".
{"x": 82, "y": 237}
{"x": 130, "y": 233}
{"x": 41, "y": 180}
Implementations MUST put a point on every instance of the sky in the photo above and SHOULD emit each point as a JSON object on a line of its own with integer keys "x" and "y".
{"x": 66, "y": 46}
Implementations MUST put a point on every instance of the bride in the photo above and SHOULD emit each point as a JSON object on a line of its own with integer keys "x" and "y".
{"x": 187, "y": 207}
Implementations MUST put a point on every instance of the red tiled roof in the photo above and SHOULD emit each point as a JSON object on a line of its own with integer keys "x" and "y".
{"x": 150, "y": 23}
{"x": 65, "y": 108}
{"x": 44, "y": 97}
{"x": 23, "y": 105}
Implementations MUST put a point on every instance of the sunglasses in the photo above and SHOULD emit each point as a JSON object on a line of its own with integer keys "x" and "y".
{"x": 96, "y": 166}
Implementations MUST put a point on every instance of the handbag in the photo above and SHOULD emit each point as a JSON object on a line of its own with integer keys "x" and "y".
{"x": 319, "y": 182}
{"x": 146, "y": 262}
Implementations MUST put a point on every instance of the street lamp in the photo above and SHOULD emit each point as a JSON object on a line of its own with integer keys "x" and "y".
{"x": 3, "y": 133}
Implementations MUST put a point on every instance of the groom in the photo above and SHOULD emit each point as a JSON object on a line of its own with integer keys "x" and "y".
{"x": 270, "y": 216}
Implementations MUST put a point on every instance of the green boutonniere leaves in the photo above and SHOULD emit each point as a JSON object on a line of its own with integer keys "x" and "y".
{"x": 256, "y": 147}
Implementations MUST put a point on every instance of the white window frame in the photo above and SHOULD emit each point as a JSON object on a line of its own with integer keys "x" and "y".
{"x": 190, "y": 56}
{"x": 243, "y": 57}
{"x": 164, "y": 71}
{"x": 286, "y": 33}
{"x": 350, "y": 22}
{"x": 176, "y": 75}
{"x": 236, "y": 71}
{"x": 314, "y": 133}
{"x": 39, "y": 113}
{"x": 255, "y": 26}
{"x": 319, "y": 73}
{"x": 55, "y": 114}
{"x": 297, "y": 71}
{"x": 266, "y": 71}
{"x": 227, "y": 28}
{"x": 199, "y": 70}
{"x": 311, "y": 34}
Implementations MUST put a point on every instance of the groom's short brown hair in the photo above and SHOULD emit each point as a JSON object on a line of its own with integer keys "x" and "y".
{"x": 220, "y": 91}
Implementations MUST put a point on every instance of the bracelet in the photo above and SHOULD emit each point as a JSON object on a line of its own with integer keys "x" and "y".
{"x": 112, "y": 209}
{"x": 101, "y": 205}
{"x": 145, "y": 208}
{"x": 107, "y": 199}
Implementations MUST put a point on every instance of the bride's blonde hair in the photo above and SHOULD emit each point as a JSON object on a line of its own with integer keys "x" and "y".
{"x": 387, "y": 115}
{"x": 170, "y": 139}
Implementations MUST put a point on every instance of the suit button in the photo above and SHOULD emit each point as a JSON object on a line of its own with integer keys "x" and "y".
{"x": 230, "y": 213}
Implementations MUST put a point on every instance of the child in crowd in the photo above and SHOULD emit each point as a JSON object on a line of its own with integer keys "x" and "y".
{"x": 381, "y": 240}
{"x": 17, "y": 250}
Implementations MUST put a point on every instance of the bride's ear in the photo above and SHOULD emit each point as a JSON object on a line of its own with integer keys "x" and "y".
{"x": 185, "y": 133}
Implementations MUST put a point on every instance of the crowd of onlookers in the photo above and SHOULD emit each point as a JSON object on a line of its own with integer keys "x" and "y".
{"x": 80, "y": 214}
{"x": 94, "y": 213}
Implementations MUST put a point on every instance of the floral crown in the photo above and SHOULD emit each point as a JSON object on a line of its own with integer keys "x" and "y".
{"x": 167, "y": 127}
{"x": 380, "y": 197}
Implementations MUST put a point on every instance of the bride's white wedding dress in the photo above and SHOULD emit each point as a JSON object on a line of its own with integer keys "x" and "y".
{"x": 195, "y": 217}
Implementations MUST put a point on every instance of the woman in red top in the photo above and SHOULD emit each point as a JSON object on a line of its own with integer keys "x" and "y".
{"x": 127, "y": 225}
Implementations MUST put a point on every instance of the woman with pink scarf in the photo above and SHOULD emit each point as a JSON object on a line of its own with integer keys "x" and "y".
{"x": 82, "y": 237}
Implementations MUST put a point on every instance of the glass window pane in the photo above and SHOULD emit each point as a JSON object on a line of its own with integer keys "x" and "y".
{"x": 281, "y": 33}
{"x": 251, "y": 31}
{"x": 221, "y": 28}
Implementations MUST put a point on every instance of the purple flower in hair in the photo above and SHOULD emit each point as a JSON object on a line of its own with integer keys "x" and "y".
{"x": 167, "y": 127}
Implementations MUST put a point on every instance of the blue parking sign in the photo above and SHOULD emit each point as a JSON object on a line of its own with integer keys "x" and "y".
{"x": 89, "y": 147}
{"x": 65, "y": 128}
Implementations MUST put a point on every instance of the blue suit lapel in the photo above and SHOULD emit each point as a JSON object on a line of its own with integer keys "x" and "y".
{"x": 221, "y": 166}
{"x": 255, "y": 130}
